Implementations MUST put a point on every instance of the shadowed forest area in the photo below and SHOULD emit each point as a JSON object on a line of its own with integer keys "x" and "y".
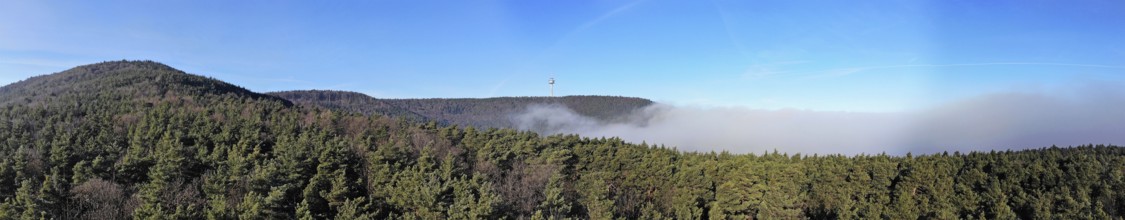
{"x": 141, "y": 140}
{"x": 479, "y": 113}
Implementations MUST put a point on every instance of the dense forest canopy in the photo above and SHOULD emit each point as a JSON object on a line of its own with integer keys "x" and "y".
{"x": 138, "y": 139}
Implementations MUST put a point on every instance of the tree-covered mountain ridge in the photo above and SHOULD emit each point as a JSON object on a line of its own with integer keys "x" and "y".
{"x": 141, "y": 140}
{"x": 124, "y": 80}
{"x": 478, "y": 112}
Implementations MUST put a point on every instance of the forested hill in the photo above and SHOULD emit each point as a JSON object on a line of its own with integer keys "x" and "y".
{"x": 140, "y": 140}
{"x": 130, "y": 81}
{"x": 481, "y": 113}
{"x": 349, "y": 102}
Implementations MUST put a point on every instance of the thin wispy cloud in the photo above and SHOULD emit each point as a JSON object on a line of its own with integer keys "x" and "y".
{"x": 853, "y": 70}
{"x": 777, "y": 70}
{"x": 729, "y": 29}
{"x": 587, "y": 25}
{"x": 498, "y": 86}
{"x": 763, "y": 70}
{"x": 846, "y": 71}
{"x": 562, "y": 40}
{"x": 605, "y": 16}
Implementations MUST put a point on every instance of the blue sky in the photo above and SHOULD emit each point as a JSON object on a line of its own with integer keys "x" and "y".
{"x": 820, "y": 55}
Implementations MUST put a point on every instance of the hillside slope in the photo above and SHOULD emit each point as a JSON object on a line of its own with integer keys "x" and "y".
{"x": 481, "y": 113}
{"x": 131, "y": 81}
{"x": 349, "y": 102}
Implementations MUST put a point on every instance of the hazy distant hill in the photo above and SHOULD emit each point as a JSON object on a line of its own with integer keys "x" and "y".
{"x": 485, "y": 112}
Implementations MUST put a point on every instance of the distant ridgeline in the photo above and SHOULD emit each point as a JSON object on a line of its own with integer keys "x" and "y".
{"x": 481, "y": 113}
{"x": 138, "y": 139}
{"x": 126, "y": 81}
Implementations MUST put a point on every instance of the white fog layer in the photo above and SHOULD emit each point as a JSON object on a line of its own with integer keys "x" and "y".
{"x": 990, "y": 122}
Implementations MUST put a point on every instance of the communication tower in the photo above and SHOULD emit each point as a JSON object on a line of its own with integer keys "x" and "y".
{"x": 551, "y": 81}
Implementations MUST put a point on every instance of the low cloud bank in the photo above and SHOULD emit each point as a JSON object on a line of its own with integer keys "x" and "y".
{"x": 990, "y": 122}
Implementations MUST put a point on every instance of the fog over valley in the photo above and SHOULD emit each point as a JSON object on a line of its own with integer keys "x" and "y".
{"x": 1086, "y": 114}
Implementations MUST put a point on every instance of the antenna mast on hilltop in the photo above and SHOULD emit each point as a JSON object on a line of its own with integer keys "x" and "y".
{"x": 551, "y": 81}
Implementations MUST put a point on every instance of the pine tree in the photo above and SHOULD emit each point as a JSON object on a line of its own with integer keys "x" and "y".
{"x": 341, "y": 189}
{"x": 599, "y": 204}
{"x": 82, "y": 171}
{"x": 26, "y": 202}
{"x": 275, "y": 204}
{"x": 53, "y": 193}
{"x": 555, "y": 205}
{"x": 303, "y": 212}
{"x": 252, "y": 207}
{"x": 354, "y": 209}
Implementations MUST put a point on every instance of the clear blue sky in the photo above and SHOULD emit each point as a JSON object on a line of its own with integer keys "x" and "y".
{"x": 820, "y": 55}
